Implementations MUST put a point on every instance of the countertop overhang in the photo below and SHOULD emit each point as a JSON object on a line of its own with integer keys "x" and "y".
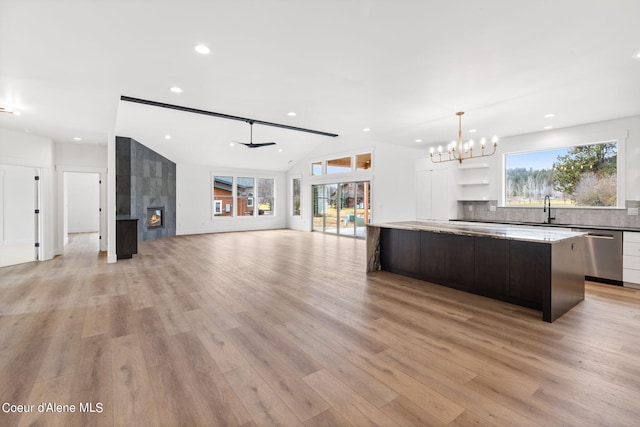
{"x": 484, "y": 230}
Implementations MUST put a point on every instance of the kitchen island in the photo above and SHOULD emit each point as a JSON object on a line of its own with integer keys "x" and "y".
{"x": 539, "y": 269}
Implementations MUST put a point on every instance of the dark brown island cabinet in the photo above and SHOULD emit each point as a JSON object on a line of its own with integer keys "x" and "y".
{"x": 126, "y": 237}
{"x": 539, "y": 269}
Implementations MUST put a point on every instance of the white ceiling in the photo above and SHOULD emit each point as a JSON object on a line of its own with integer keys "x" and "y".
{"x": 401, "y": 68}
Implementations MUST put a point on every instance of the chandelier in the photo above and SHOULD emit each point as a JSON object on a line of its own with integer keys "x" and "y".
{"x": 463, "y": 151}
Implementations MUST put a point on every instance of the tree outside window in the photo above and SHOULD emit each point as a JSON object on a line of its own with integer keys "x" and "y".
{"x": 295, "y": 191}
{"x": 584, "y": 175}
{"x": 265, "y": 187}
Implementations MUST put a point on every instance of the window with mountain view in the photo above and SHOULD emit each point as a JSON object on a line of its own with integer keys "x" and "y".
{"x": 583, "y": 175}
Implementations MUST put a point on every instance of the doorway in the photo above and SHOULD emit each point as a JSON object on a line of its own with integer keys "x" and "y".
{"x": 342, "y": 208}
{"x": 81, "y": 220}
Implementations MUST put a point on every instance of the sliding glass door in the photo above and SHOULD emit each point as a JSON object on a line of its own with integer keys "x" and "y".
{"x": 342, "y": 208}
{"x": 362, "y": 207}
{"x": 346, "y": 210}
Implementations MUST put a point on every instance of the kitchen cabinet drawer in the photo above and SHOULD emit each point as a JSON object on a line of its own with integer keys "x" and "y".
{"x": 630, "y": 276}
{"x": 631, "y": 249}
{"x": 631, "y": 258}
{"x": 632, "y": 262}
{"x": 630, "y": 236}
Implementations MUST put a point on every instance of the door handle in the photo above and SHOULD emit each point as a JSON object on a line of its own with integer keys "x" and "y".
{"x": 601, "y": 236}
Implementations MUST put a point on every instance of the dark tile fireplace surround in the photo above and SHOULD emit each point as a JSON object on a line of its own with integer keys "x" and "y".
{"x": 145, "y": 186}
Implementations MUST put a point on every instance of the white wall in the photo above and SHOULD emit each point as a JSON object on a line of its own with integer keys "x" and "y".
{"x": 392, "y": 179}
{"x": 25, "y": 149}
{"x": 83, "y": 202}
{"x": 85, "y": 156}
{"x": 194, "y": 191}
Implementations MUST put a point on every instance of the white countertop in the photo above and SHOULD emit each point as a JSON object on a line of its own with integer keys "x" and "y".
{"x": 541, "y": 235}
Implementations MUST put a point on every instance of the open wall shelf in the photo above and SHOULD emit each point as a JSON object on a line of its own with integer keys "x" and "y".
{"x": 473, "y": 182}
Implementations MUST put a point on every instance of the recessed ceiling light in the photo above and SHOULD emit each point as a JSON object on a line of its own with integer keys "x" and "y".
{"x": 549, "y": 115}
{"x": 547, "y": 127}
{"x": 77, "y": 138}
{"x": 202, "y": 49}
{"x": 279, "y": 150}
{"x": 175, "y": 89}
{"x": 636, "y": 56}
{"x": 16, "y": 113}
{"x": 291, "y": 113}
{"x": 366, "y": 130}
{"x": 473, "y": 131}
{"x": 167, "y": 136}
{"x": 418, "y": 140}
{"x": 231, "y": 144}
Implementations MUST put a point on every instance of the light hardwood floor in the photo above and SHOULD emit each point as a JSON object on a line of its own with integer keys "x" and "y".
{"x": 285, "y": 328}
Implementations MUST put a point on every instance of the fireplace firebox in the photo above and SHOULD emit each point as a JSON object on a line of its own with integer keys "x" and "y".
{"x": 155, "y": 217}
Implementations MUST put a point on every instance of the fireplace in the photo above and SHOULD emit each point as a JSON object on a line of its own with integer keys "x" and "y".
{"x": 155, "y": 217}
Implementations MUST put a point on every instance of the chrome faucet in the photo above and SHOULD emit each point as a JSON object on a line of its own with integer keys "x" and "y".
{"x": 547, "y": 199}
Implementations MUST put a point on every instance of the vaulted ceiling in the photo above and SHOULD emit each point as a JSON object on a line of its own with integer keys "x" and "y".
{"x": 401, "y": 69}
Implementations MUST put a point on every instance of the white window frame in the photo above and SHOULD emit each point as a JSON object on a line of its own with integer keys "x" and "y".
{"x": 323, "y": 167}
{"x": 251, "y": 202}
{"x": 233, "y": 197}
{"x": 620, "y": 170}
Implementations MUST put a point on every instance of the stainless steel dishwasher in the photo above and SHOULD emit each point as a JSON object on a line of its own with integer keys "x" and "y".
{"x": 603, "y": 255}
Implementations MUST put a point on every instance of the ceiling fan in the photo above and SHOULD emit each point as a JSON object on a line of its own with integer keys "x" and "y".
{"x": 250, "y": 144}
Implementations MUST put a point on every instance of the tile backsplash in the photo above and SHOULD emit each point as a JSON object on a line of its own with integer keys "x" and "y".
{"x": 490, "y": 211}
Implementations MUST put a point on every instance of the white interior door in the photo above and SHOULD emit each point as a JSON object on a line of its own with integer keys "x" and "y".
{"x": 17, "y": 215}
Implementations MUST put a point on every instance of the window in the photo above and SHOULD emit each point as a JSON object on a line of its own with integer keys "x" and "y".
{"x": 316, "y": 168}
{"x": 222, "y": 196}
{"x": 244, "y": 196}
{"x": 340, "y": 165}
{"x": 253, "y": 196}
{"x": 342, "y": 208}
{"x": 295, "y": 196}
{"x": 265, "y": 195}
{"x": 352, "y": 163}
{"x": 363, "y": 162}
{"x": 583, "y": 175}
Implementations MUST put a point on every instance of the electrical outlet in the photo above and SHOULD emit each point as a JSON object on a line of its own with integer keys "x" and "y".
{"x": 492, "y": 208}
{"x": 632, "y": 211}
